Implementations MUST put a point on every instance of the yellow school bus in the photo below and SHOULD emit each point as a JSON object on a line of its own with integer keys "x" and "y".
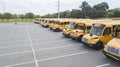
{"x": 37, "y": 20}
{"x": 100, "y": 34}
{"x": 50, "y": 22}
{"x": 71, "y": 26}
{"x": 46, "y": 22}
{"x": 42, "y": 22}
{"x": 112, "y": 48}
{"x": 59, "y": 25}
{"x": 80, "y": 29}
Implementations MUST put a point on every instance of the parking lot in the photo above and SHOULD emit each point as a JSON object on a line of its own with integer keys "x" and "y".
{"x": 30, "y": 45}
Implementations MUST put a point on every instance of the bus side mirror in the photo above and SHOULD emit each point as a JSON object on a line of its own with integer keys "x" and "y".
{"x": 91, "y": 35}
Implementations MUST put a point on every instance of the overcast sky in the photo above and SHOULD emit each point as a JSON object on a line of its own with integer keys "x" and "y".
{"x": 42, "y": 7}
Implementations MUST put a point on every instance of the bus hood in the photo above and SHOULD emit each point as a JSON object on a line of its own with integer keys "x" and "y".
{"x": 115, "y": 42}
{"x": 78, "y": 30}
{"x": 90, "y": 37}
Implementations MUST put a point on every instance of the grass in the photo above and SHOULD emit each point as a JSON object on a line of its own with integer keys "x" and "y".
{"x": 32, "y": 20}
{"x": 16, "y": 20}
{"x": 114, "y": 18}
{"x": 118, "y": 18}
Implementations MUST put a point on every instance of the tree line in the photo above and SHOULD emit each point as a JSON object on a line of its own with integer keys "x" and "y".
{"x": 18, "y": 16}
{"x": 100, "y": 10}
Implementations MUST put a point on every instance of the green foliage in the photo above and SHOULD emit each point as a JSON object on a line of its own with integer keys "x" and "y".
{"x": 65, "y": 14}
{"x": 21, "y": 16}
{"x": 29, "y": 15}
{"x": 37, "y": 16}
{"x": 7, "y": 16}
{"x": 114, "y": 13}
{"x": 18, "y": 16}
{"x": 1, "y": 16}
{"x": 100, "y": 10}
{"x": 85, "y": 6}
{"x": 75, "y": 13}
{"x": 101, "y": 6}
{"x": 117, "y": 13}
{"x": 15, "y": 16}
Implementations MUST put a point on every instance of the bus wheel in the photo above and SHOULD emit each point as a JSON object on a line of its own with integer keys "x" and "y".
{"x": 79, "y": 38}
{"x": 57, "y": 30}
{"x": 99, "y": 45}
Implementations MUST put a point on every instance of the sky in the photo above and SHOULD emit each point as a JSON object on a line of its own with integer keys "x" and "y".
{"x": 42, "y": 7}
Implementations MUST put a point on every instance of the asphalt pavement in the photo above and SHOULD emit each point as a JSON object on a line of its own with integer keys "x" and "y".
{"x": 31, "y": 45}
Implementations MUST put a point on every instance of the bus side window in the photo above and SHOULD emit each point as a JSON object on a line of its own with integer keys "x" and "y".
{"x": 107, "y": 31}
{"x": 68, "y": 23}
{"x": 64, "y": 23}
{"x": 88, "y": 27}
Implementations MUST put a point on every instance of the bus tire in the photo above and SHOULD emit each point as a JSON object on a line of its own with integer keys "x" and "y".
{"x": 99, "y": 46}
{"x": 79, "y": 38}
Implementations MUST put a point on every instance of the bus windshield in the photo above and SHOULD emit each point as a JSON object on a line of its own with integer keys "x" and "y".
{"x": 96, "y": 30}
{"x": 57, "y": 23}
{"x": 117, "y": 32}
{"x": 71, "y": 26}
{"x": 118, "y": 35}
{"x": 79, "y": 27}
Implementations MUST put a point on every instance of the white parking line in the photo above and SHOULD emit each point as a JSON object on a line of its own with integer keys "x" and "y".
{"x": 35, "y": 58}
{"x": 36, "y": 50}
{"x": 103, "y": 65}
{"x": 53, "y": 58}
{"x": 20, "y": 64}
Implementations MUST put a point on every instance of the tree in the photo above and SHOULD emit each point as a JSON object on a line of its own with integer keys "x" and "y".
{"x": 37, "y": 16}
{"x": 117, "y": 13}
{"x": 101, "y": 10}
{"x": 101, "y": 6}
{"x": 111, "y": 12}
{"x": 1, "y": 16}
{"x": 86, "y": 10}
{"x": 7, "y": 16}
{"x": 85, "y": 6}
{"x": 15, "y": 16}
{"x": 21, "y": 16}
{"x": 29, "y": 15}
{"x": 75, "y": 13}
{"x": 65, "y": 14}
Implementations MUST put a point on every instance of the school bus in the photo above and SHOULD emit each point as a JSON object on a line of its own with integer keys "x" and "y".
{"x": 50, "y": 22}
{"x": 42, "y": 22}
{"x": 59, "y": 25}
{"x": 37, "y": 20}
{"x": 99, "y": 35}
{"x": 80, "y": 29}
{"x": 66, "y": 32}
{"x": 112, "y": 48}
{"x": 45, "y": 24}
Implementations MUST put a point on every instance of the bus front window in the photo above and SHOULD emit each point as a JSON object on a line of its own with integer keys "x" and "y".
{"x": 80, "y": 27}
{"x": 117, "y": 32}
{"x": 96, "y": 30}
{"x": 71, "y": 26}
